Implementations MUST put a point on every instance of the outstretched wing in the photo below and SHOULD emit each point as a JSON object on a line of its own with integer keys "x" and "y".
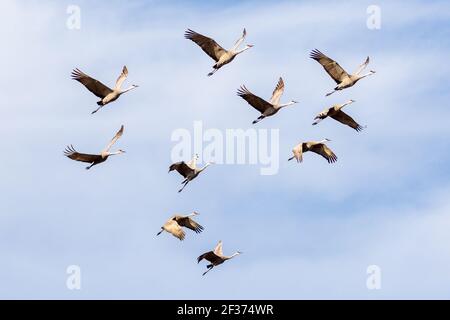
{"x": 181, "y": 167}
{"x": 121, "y": 78}
{"x": 218, "y": 249}
{"x": 278, "y": 92}
{"x": 113, "y": 140}
{"x": 239, "y": 41}
{"x": 331, "y": 67}
{"x": 344, "y": 118}
{"x": 298, "y": 152}
{"x": 93, "y": 85}
{"x": 362, "y": 66}
{"x": 324, "y": 151}
{"x": 208, "y": 45}
{"x": 256, "y": 102}
{"x": 172, "y": 227}
{"x": 210, "y": 256}
{"x": 187, "y": 222}
{"x": 192, "y": 163}
{"x": 322, "y": 115}
{"x": 71, "y": 153}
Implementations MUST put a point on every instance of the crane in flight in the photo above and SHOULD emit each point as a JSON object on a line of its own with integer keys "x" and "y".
{"x": 105, "y": 93}
{"x": 215, "y": 51}
{"x": 95, "y": 159}
{"x": 266, "y": 108}
{"x": 215, "y": 257}
{"x": 337, "y": 73}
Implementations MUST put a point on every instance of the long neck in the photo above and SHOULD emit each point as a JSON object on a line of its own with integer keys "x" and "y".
{"x": 232, "y": 256}
{"x": 114, "y": 153}
{"x": 204, "y": 167}
{"x": 286, "y": 104}
{"x": 323, "y": 141}
{"x": 365, "y": 75}
{"x": 128, "y": 89}
{"x": 242, "y": 50}
{"x": 345, "y": 104}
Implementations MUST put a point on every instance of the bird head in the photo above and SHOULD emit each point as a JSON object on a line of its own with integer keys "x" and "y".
{"x": 373, "y": 71}
{"x": 121, "y": 151}
{"x": 294, "y": 101}
{"x": 249, "y": 46}
{"x": 326, "y": 139}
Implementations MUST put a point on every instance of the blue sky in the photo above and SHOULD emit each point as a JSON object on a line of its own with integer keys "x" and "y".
{"x": 309, "y": 231}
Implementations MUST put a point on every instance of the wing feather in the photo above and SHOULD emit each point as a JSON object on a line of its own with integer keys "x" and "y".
{"x": 187, "y": 222}
{"x": 123, "y": 76}
{"x": 114, "y": 140}
{"x": 93, "y": 85}
{"x": 240, "y": 40}
{"x": 71, "y": 153}
{"x": 324, "y": 151}
{"x": 181, "y": 167}
{"x": 298, "y": 152}
{"x": 174, "y": 228}
{"x": 344, "y": 118}
{"x": 256, "y": 102}
{"x": 208, "y": 45}
{"x": 209, "y": 256}
{"x": 277, "y": 93}
{"x": 362, "y": 66}
{"x": 331, "y": 67}
{"x": 218, "y": 249}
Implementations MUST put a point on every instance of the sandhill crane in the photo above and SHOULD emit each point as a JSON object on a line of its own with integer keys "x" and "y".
{"x": 267, "y": 109}
{"x": 318, "y": 147}
{"x": 337, "y": 114}
{"x": 95, "y": 159}
{"x": 215, "y": 51}
{"x": 105, "y": 93}
{"x": 188, "y": 170}
{"x": 216, "y": 257}
{"x": 174, "y": 224}
{"x": 342, "y": 78}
